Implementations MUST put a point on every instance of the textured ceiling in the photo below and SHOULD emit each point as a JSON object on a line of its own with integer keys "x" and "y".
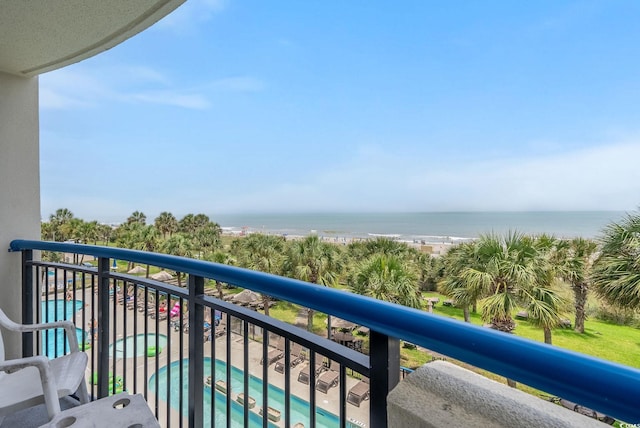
{"x": 42, "y": 35}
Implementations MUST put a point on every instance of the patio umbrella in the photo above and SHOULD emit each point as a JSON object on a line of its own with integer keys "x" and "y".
{"x": 163, "y": 275}
{"x": 137, "y": 269}
{"x": 340, "y": 323}
{"x": 245, "y": 297}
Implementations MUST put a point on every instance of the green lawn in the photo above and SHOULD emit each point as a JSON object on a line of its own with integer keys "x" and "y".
{"x": 604, "y": 340}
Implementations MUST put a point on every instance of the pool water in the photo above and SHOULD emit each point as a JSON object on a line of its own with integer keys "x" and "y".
{"x": 54, "y": 343}
{"x": 298, "y": 407}
{"x": 140, "y": 349}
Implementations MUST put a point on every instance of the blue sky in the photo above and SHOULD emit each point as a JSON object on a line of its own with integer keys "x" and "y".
{"x": 346, "y": 106}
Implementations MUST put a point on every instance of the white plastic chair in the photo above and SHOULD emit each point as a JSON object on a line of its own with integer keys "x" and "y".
{"x": 26, "y": 382}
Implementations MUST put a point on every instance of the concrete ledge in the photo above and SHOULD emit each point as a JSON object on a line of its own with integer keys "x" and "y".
{"x": 441, "y": 394}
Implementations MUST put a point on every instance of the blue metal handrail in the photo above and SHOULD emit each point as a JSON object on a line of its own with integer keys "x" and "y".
{"x": 602, "y": 385}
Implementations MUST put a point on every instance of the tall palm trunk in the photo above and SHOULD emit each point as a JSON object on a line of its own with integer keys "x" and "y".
{"x": 580, "y": 293}
{"x": 310, "y": 314}
{"x": 219, "y": 288}
{"x": 465, "y": 312}
{"x": 547, "y": 335}
{"x": 265, "y": 303}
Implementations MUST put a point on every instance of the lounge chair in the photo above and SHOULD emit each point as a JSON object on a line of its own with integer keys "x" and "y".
{"x": 272, "y": 414}
{"x": 221, "y": 330}
{"x": 305, "y": 373}
{"x": 251, "y": 402}
{"x": 586, "y": 411}
{"x": 218, "y": 332}
{"x": 175, "y": 311}
{"x": 295, "y": 358}
{"x": 275, "y": 354}
{"x": 358, "y": 393}
{"x": 327, "y": 380}
{"x": 221, "y": 386}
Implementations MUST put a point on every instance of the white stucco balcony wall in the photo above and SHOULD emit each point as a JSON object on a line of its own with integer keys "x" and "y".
{"x": 441, "y": 394}
{"x": 19, "y": 184}
{"x": 35, "y": 37}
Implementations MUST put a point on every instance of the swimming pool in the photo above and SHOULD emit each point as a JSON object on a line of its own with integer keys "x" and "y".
{"x": 54, "y": 343}
{"x": 299, "y": 408}
{"x": 151, "y": 349}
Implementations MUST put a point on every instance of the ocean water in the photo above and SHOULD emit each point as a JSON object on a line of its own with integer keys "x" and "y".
{"x": 429, "y": 227}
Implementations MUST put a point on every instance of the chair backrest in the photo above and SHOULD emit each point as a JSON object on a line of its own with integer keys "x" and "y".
{"x": 3, "y": 320}
{"x": 1, "y": 347}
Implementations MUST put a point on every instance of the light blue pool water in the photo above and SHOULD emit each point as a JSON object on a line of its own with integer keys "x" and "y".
{"x": 140, "y": 349}
{"x": 299, "y": 408}
{"x": 54, "y": 343}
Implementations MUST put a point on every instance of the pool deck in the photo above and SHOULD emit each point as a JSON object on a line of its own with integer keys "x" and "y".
{"x": 125, "y": 367}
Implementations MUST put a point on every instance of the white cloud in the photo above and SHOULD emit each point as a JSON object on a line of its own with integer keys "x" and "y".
{"x": 191, "y": 14}
{"x": 190, "y": 101}
{"x": 70, "y": 88}
{"x": 598, "y": 178}
{"x": 82, "y": 86}
{"x": 50, "y": 99}
{"x": 237, "y": 84}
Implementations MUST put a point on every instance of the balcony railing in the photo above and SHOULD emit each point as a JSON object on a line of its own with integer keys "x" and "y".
{"x": 231, "y": 348}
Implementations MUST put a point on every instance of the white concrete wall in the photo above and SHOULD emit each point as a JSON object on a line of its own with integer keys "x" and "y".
{"x": 440, "y": 394}
{"x": 19, "y": 187}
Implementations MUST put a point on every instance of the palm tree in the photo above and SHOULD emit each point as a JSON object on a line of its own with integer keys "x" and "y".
{"x": 263, "y": 253}
{"x": 503, "y": 271}
{"x": 207, "y": 237}
{"x": 62, "y": 215}
{"x": 222, "y": 257}
{"x": 430, "y": 270}
{"x": 200, "y": 221}
{"x": 88, "y": 232}
{"x": 60, "y": 218}
{"x": 545, "y": 306}
{"x": 514, "y": 271}
{"x": 47, "y": 231}
{"x": 105, "y": 232}
{"x": 388, "y": 278}
{"x": 137, "y": 217}
{"x": 616, "y": 271}
{"x": 544, "y": 302}
{"x": 187, "y": 224}
{"x": 166, "y": 223}
{"x": 314, "y": 261}
{"x": 148, "y": 241}
{"x": 129, "y": 235}
{"x": 178, "y": 245}
{"x": 361, "y": 250}
{"x": 386, "y": 246}
{"x": 575, "y": 260}
{"x": 456, "y": 261}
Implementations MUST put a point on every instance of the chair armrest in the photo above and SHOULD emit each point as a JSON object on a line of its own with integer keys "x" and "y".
{"x": 68, "y": 326}
{"x": 21, "y": 363}
{"x": 47, "y": 378}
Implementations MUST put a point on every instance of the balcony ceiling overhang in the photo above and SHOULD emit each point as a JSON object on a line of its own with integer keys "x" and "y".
{"x": 37, "y": 36}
